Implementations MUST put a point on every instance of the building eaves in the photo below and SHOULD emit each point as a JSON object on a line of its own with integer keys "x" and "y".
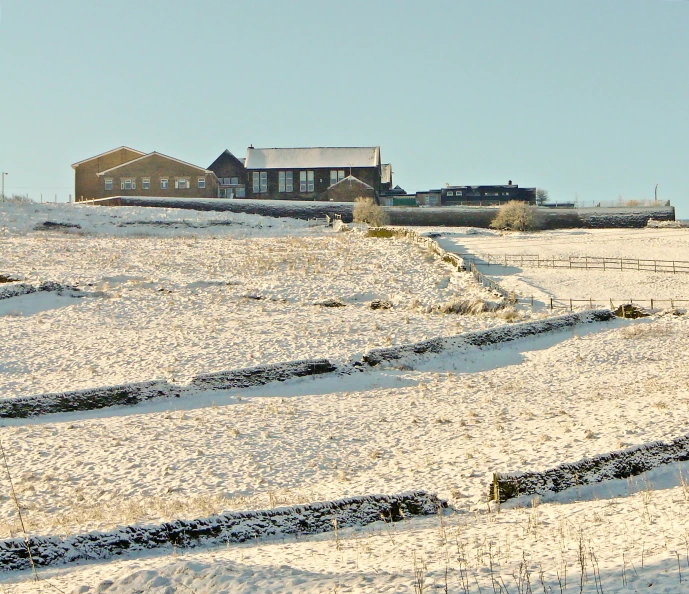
{"x": 75, "y": 165}
{"x": 154, "y": 153}
{"x": 351, "y": 179}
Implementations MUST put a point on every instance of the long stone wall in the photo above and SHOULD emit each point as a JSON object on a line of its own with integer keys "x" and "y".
{"x": 614, "y": 465}
{"x": 447, "y": 216}
{"x": 237, "y": 527}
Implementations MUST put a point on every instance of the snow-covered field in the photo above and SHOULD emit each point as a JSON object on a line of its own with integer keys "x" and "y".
{"x": 599, "y": 285}
{"x": 174, "y": 300}
{"x": 175, "y": 293}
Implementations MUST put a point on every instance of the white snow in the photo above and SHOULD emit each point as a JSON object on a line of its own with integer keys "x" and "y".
{"x": 600, "y": 286}
{"x": 440, "y": 423}
{"x": 315, "y": 157}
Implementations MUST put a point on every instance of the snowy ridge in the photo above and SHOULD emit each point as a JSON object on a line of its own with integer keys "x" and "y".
{"x": 134, "y": 393}
{"x": 614, "y": 465}
{"x": 481, "y": 338}
{"x": 232, "y": 527}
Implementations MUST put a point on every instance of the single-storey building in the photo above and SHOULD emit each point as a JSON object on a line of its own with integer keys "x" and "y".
{"x": 309, "y": 173}
{"x": 486, "y": 195}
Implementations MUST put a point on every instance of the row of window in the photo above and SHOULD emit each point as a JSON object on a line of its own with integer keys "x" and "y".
{"x": 286, "y": 180}
{"x": 459, "y": 193}
{"x": 181, "y": 183}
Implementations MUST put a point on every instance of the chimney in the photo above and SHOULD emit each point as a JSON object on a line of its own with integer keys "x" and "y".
{"x": 509, "y": 183}
{"x": 251, "y": 146}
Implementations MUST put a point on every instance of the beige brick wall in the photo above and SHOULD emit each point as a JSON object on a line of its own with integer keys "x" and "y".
{"x": 155, "y": 168}
{"x": 86, "y": 183}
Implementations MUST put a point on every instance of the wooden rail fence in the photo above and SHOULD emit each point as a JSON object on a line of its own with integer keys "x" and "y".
{"x": 582, "y": 263}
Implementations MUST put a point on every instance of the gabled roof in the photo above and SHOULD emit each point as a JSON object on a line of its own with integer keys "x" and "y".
{"x": 386, "y": 173}
{"x": 225, "y": 156}
{"x": 154, "y": 153}
{"x": 75, "y": 165}
{"x": 351, "y": 179}
{"x": 314, "y": 157}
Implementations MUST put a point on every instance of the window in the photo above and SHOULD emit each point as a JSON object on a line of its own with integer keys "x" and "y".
{"x": 108, "y": 184}
{"x": 240, "y": 192}
{"x": 257, "y": 187}
{"x": 163, "y": 183}
{"x": 450, "y": 193}
{"x": 234, "y": 181}
{"x": 128, "y": 184}
{"x": 286, "y": 181}
{"x": 264, "y": 181}
{"x": 306, "y": 182}
{"x": 201, "y": 183}
{"x": 302, "y": 181}
{"x": 336, "y": 175}
{"x": 182, "y": 183}
{"x": 146, "y": 183}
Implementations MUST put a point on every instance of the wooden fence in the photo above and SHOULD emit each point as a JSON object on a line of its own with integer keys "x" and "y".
{"x": 582, "y": 263}
{"x": 493, "y": 285}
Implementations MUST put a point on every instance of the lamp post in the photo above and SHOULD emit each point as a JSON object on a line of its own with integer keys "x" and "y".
{"x": 4, "y": 173}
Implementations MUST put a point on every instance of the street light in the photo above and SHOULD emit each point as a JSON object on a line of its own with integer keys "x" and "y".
{"x": 4, "y": 173}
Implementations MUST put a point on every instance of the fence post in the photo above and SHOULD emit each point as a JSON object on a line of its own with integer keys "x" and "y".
{"x": 551, "y": 304}
{"x": 611, "y": 305}
{"x": 591, "y": 302}
{"x": 570, "y": 305}
{"x": 651, "y": 303}
{"x": 673, "y": 267}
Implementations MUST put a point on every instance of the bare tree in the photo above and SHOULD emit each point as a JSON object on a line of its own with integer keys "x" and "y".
{"x": 542, "y": 196}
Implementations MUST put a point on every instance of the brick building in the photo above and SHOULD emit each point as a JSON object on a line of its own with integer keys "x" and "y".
{"x": 309, "y": 173}
{"x": 126, "y": 172}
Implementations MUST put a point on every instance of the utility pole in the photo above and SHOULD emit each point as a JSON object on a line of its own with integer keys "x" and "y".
{"x": 4, "y": 173}
{"x": 656, "y": 192}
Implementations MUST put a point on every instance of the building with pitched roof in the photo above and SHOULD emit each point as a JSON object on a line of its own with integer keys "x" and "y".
{"x": 126, "y": 172}
{"x": 309, "y": 173}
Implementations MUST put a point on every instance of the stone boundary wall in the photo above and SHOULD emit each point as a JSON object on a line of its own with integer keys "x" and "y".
{"x": 614, "y": 465}
{"x": 481, "y": 338}
{"x": 17, "y": 290}
{"x": 233, "y": 527}
{"x": 134, "y": 393}
{"x": 442, "y": 216}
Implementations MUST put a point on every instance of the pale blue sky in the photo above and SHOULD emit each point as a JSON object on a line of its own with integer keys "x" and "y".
{"x": 586, "y": 98}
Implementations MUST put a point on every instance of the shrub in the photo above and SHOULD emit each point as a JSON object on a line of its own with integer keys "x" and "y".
{"x": 516, "y": 216}
{"x": 367, "y": 211}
